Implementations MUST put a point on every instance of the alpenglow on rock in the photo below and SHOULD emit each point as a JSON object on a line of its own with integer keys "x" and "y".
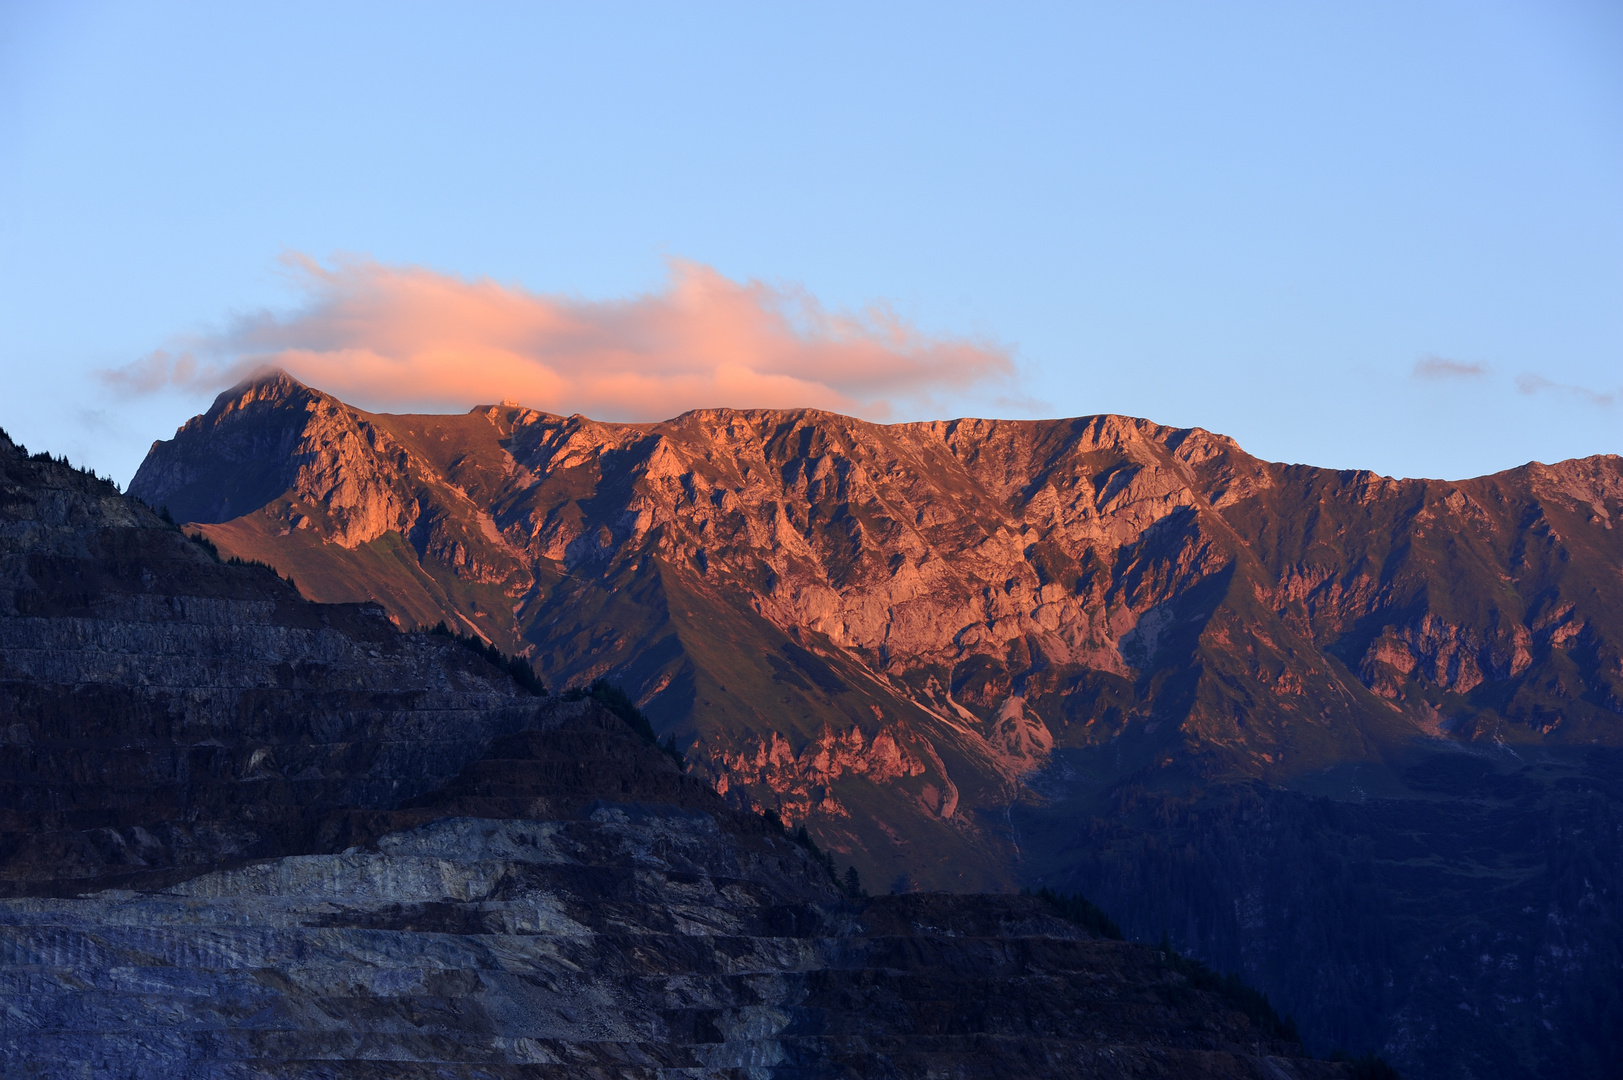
{"x": 1259, "y": 707}
{"x": 849, "y": 623}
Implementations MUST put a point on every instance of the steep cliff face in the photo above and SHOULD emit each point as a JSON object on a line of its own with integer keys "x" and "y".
{"x": 979, "y": 653}
{"x": 249, "y": 835}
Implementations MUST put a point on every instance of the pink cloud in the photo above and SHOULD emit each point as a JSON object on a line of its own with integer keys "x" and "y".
{"x": 408, "y": 338}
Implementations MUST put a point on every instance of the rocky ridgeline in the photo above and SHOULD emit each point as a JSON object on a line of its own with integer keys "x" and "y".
{"x": 246, "y": 835}
{"x": 976, "y": 595}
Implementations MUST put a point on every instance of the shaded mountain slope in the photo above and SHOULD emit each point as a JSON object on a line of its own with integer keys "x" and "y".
{"x": 974, "y": 654}
{"x": 250, "y": 835}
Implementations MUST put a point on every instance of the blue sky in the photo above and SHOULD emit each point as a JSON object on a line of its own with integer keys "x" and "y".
{"x": 1262, "y": 219}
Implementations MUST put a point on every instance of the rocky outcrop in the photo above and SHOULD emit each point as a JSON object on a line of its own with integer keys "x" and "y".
{"x": 246, "y": 835}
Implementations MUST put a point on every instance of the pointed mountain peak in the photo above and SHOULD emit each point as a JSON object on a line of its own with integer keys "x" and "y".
{"x": 238, "y": 455}
{"x": 271, "y": 375}
{"x": 268, "y": 383}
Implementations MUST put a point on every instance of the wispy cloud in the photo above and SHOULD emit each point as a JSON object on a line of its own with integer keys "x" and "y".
{"x": 1439, "y": 367}
{"x": 393, "y": 337}
{"x": 1538, "y": 384}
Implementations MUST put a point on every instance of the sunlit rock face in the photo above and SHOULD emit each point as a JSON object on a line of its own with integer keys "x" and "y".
{"x": 976, "y": 654}
{"x": 246, "y": 835}
{"x": 796, "y": 593}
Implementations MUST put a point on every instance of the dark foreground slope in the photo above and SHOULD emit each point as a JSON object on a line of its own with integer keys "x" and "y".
{"x": 250, "y": 836}
{"x": 163, "y": 711}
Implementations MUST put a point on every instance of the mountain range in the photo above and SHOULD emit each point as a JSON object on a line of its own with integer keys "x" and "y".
{"x": 245, "y": 834}
{"x": 1353, "y": 736}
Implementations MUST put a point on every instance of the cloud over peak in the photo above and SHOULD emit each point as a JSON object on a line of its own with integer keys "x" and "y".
{"x": 406, "y": 338}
